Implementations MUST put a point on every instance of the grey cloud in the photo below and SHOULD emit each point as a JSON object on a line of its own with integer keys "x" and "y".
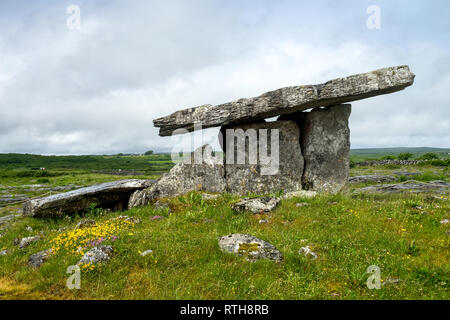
{"x": 97, "y": 90}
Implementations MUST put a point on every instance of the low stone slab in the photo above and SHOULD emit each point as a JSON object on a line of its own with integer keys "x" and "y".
{"x": 13, "y": 198}
{"x": 250, "y": 247}
{"x": 408, "y": 186}
{"x": 111, "y": 195}
{"x": 289, "y": 100}
{"x": 372, "y": 178}
{"x": 407, "y": 173}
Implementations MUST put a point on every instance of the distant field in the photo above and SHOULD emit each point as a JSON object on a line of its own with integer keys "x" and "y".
{"x": 162, "y": 162}
{"x": 376, "y": 153}
{"x": 150, "y": 164}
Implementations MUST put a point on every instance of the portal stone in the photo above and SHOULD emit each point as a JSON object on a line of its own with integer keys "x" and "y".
{"x": 325, "y": 143}
{"x": 262, "y": 157}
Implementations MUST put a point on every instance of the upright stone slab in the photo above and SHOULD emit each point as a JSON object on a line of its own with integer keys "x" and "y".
{"x": 258, "y": 173}
{"x": 325, "y": 143}
{"x": 201, "y": 171}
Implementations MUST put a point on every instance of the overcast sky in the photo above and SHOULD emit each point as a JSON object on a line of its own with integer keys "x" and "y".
{"x": 96, "y": 90}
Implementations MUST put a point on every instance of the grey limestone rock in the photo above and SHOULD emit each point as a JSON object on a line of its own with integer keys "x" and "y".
{"x": 268, "y": 160}
{"x": 109, "y": 195}
{"x": 325, "y": 143}
{"x": 38, "y": 259}
{"x": 249, "y": 246}
{"x": 256, "y": 205}
{"x": 97, "y": 255}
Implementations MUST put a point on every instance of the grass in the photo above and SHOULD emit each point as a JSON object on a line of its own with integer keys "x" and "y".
{"x": 401, "y": 234}
{"x": 358, "y": 231}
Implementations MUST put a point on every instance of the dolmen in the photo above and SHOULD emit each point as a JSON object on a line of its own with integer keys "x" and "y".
{"x": 302, "y": 150}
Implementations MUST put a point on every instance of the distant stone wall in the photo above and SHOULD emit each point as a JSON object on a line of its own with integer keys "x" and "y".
{"x": 387, "y": 162}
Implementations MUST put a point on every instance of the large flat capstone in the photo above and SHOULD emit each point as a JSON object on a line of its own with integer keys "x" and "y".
{"x": 111, "y": 195}
{"x": 288, "y": 100}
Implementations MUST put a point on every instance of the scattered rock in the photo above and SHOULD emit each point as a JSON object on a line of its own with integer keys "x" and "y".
{"x": 246, "y": 170}
{"x": 85, "y": 223}
{"x": 97, "y": 255}
{"x": 256, "y": 205}
{"x": 6, "y": 219}
{"x": 133, "y": 220}
{"x": 301, "y": 204}
{"x": 38, "y": 259}
{"x": 25, "y": 242}
{"x": 3, "y": 252}
{"x": 146, "y": 252}
{"x": 299, "y": 194}
{"x": 249, "y": 246}
{"x": 408, "y": 186}
{"x": 263, "y": 221}
{"x": 390, "y": 281}
{"x": 445, "y": 221}
{"x": 159, "y": 205}
{"x": 406, "y": 173}
{"x": 307, "y": 252}
{"x": 111, "y": 195}
{"x": 372, "y": 178}
{"x": 207, "y": 196}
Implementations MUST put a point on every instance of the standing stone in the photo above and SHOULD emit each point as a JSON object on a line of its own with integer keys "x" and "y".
{"x": 263, "y": 172}
{"x": 325, "y": 143}
{"x": 201, "y": 171}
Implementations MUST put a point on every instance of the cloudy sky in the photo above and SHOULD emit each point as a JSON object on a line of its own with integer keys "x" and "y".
{"x": 96, "y": 90}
